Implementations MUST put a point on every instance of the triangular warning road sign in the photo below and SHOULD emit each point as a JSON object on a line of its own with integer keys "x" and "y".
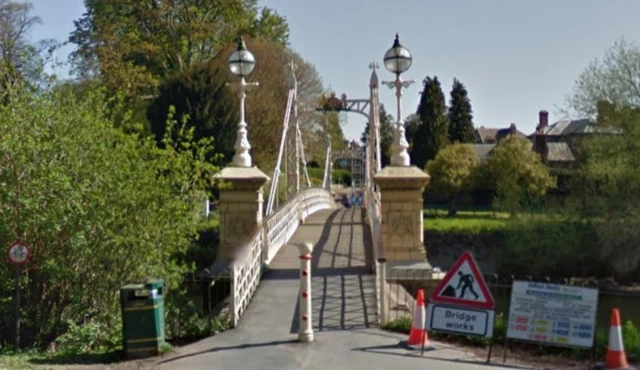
{"x": 464, "y": 286}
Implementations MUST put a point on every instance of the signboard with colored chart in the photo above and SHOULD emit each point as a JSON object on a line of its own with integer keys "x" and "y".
{"x": 553, "y": 314}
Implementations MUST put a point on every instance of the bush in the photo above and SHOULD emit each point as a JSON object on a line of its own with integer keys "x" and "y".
{"x": 98, "y": 207}
{"x": 204, "y": 250}
{"x": 339, "y": 176}
{"x": 90, "y": 337}
{"x": 186, "y": 322}
{"x": 543, "y": 247}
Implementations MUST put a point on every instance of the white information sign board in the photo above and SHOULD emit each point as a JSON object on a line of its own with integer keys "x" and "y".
{"x": 552, "y": 313}
{"x": 460, "y": 320}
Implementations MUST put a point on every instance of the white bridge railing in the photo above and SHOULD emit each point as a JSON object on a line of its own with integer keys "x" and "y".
{"x": 372, "y": 204}
{"x": 265, "y": 243}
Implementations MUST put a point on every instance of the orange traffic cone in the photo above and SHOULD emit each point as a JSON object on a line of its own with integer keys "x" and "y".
{"x": 418, "y": 337}
{"x": 616, "y": 357}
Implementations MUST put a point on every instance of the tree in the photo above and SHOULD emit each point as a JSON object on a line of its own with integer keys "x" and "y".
{"x": 20, "y": 59}
{"x": 432, "y": 133}
{"x": 518, "y": 174}
{"x": 386, "y": 135}
{"x": 460, "y": 115}
{"x": 133, "y": 45}
{"x": 614, "y": 79}
{"x": 98, "y": 208}
{"x": 604, "y": 188}
{"x": 411, "y": 124}
{"x": 452, "y": 172}
{"x": 199, "y": 96}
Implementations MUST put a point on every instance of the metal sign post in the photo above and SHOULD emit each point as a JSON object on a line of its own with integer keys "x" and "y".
{"x": 18, "y": 254}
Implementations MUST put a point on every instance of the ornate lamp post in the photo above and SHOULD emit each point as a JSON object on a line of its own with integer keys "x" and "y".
{"x": 241, "y": 63}
{"x": 398, "y": 60}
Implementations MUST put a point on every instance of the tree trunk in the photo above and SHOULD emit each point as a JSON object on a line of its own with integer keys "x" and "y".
{"x": 453, "y": 207}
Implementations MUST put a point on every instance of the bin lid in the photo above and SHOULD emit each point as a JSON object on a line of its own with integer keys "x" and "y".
{"x": 155, "y": 283}
{"x": 133, "y": 286}
{"x": 149, "y": 284}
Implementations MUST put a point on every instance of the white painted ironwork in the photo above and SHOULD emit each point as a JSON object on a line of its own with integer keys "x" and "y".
{"x": 313, "y": 200}
{"x": 245, "y": 275}
{"x": 372, "y": 195}
{"x": 280, "y": 227}
{"x": 303, "y": 159}
{"x": 328, "y": 166}
{"x": 242, "y": 157}
{"x": 273, "y": 192}
{"x": 398, "y": 60}
{"x": 267, "y": 241}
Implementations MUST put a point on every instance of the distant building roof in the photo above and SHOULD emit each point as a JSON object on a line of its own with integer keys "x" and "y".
{"x": 504, "y": 132}
{"x": 482, "y": 151}
{"x": 559, "y": 152}
{"x": 486, "y": 135}
{"x": 569, "y": 127}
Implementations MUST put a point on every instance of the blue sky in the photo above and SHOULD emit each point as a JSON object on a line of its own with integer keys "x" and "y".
{"x": 514, "y": 56}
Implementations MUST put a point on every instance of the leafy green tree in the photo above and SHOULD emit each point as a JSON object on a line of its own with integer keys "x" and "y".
{"x": 460, "y": 115}
{"x": 432, "y": 134}
{"x": 606, "y": 183}
{"x": 411, "y": 124}
{"x": 200, "y": 97}
{"x": 612, "y": 79}
{"x": 201, "y": 94}
{"x": 518, "y": 174}
{"x": 21, "y": 60}
{"x": 386, "y": 135}
{"x": 452, "y": 173}
{"x": 605, "y": 187}
{"x": 98, "y": 207}
{"x": 133, "y": 45}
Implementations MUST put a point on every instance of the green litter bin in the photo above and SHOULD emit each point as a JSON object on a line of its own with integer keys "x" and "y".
{"x": 142, "y": 318}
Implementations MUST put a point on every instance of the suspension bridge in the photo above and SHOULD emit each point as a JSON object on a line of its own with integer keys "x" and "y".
{"x": 357, "y": 253}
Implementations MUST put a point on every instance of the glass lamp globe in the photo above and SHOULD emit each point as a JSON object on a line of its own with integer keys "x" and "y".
{"x": 241, "y": 61}
{"x": 397, "y": 59}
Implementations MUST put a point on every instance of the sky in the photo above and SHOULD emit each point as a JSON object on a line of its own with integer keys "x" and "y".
{"x": 515, "y": 57}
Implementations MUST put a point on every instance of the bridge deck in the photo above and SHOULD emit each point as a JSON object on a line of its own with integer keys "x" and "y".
{"x": 343, "y": 298}
{"x": 343, "y": 288}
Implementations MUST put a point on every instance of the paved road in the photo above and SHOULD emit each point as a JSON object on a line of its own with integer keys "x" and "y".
{"x": 343, "y": 309}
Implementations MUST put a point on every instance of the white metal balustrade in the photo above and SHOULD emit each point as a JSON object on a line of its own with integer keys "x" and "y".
{"x": 264, "y": 244}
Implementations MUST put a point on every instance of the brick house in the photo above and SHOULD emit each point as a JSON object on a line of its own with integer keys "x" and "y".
{"x": 487, "y": 138}
{"x": 556, "y": 143}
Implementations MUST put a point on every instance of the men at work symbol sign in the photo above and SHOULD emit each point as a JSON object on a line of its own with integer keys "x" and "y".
{"x": 464, "y": 285}
{"x": 462, "y": 303}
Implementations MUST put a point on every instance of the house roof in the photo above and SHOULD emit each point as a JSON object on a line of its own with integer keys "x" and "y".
{"x": 559, "y": 152}
{"x": 487, "y": 134}
{"x": 568, "y": 127}
{"x": 482, "y": 151}
{"x": 503, "y": 132}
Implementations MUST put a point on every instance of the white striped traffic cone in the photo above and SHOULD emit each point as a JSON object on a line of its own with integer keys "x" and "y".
{"x": 616, "y": 357}
{"x": 418, "y": 337}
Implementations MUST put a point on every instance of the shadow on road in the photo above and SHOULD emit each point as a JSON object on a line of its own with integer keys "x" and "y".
{"x": 342, "y": 286}
{"x": 396, "y": 350}
{"x": 218, "y": 349}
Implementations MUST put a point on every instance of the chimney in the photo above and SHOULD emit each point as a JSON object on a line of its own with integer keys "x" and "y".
{"x": 512, "y": 129}
{"x": 543, "y": 120}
